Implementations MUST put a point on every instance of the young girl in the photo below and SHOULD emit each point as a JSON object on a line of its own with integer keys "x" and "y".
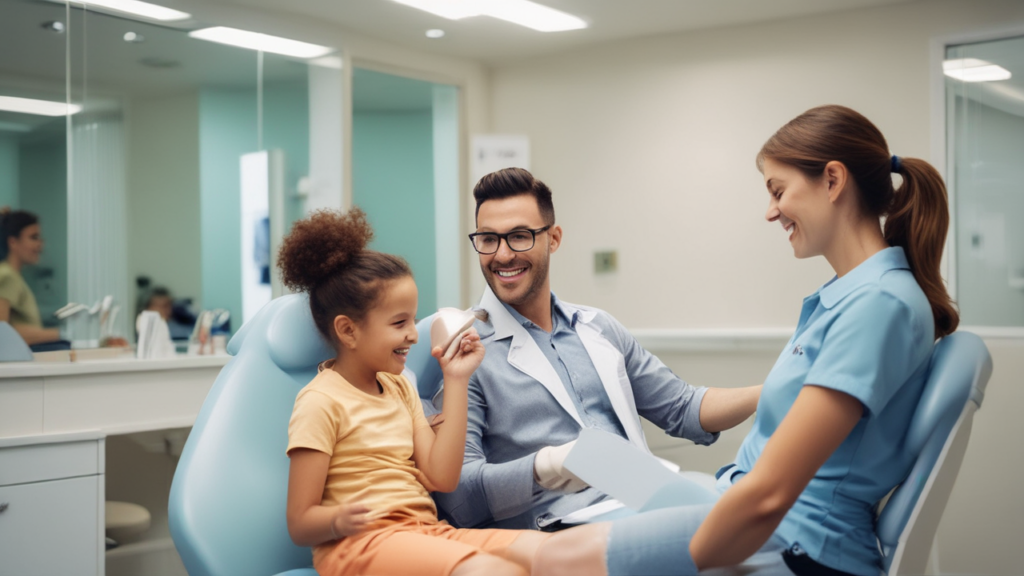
{"x": 363, "y": 457}
{"x": 826, "y": 444}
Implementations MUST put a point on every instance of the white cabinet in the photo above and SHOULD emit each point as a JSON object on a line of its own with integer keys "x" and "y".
{"x": 51, "y": 505}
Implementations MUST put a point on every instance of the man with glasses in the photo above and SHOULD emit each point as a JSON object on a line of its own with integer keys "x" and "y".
{"x": 551, "y": 369}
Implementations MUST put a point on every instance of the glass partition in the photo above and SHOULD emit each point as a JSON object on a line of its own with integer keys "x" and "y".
{"x": 985, "y": 125}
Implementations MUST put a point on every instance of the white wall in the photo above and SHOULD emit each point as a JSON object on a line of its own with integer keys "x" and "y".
{"x": 649, "y": 147}
{"x": 163, "y": 194}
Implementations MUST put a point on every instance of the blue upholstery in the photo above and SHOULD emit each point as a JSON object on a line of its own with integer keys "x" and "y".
{"x": 227, "y": 504}
{"x": 938, "y": 433}
{"x": 12, "y": 346}
{"x": 422, "y": 364}
{"x": 228, "y": 497}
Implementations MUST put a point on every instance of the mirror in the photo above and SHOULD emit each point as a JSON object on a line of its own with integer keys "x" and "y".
{"x": 33, "y": 160}
{"x": 149, "y": 169}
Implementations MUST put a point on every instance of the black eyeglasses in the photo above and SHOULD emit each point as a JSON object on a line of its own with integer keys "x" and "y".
{"x": 517, "y": 240}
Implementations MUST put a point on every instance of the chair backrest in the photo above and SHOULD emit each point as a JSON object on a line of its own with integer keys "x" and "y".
{"x": 229, "y": 493}
{"x": 227, "y": 504}
{"x": 12, "y": 346}
{"x": 938, "y": 434}
{"x": 422, "y": 364}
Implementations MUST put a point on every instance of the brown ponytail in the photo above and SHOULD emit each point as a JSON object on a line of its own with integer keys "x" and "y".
{"x": 917, "y": 214}
{"x": 918, "y": 220}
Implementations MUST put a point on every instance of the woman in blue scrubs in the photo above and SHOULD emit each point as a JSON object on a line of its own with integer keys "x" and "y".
{"x": 825, "y": 445}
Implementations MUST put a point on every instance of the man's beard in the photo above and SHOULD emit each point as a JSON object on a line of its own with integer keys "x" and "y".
{"x": 540, "y": 274}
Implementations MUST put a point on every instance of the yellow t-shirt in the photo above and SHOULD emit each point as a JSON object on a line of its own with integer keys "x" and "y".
{"x": 370, "y": 440}
{"x": 18, "y": 295}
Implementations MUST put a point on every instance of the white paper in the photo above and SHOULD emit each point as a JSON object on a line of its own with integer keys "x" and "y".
{"x": 636, "y": 478}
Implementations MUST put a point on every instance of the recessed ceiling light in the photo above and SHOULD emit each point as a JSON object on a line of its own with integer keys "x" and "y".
{"x": 435, "y": 33}
{"x": 974, "y": 70}
{"x": 134, "y": 38}
{"x": 135, "y": 8}
{"x": 522, "y": 12}
{"x": 263, "y": 42}
{"x": 37, "y": 107}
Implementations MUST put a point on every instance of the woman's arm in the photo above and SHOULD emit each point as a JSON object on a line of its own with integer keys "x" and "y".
{"x": 309, "y": 523}
{"x": 747, "y": 514}
{"x": 439, "y": 455}
{"x": 30, "y": 334}
{"x": 723, "y": 408}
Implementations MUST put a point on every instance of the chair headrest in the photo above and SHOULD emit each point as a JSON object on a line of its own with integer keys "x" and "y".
{"x": 286, "y": 326}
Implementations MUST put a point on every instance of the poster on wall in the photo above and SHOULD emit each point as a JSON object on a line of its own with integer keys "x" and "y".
{"x": 491, "y": 152}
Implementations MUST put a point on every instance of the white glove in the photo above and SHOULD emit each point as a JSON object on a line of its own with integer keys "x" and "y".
{"x": 549, "y": 472}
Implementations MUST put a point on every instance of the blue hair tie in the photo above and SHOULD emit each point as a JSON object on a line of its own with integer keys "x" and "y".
{"x": 897, "y": 166}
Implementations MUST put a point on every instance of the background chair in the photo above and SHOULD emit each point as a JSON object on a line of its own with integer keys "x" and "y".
{"x": 938, "y": 433}
{"x": 228, "y": 496}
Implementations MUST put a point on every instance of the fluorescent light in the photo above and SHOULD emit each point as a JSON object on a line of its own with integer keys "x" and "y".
{"x": 450, "y": 9}
{"x": 522, "y": 12}
{"x": 974, "y": 70}
{"x": 136, "y": 8}
{"x": 263, "y": 42}
{"x": 435, "y": 33}
{"x": 37, "y": 107}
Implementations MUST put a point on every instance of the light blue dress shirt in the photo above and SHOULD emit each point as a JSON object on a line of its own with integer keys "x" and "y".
{"x": 868, "y": 334}
{"x": 567, "y": 355}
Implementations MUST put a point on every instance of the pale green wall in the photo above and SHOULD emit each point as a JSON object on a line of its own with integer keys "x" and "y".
{"x": 227, "y": 130}
{"x": 163, "y": 194}
{"x": 8, "y": 170}
{"x": 43, "y": 178}
{"x": 393, "y": 182}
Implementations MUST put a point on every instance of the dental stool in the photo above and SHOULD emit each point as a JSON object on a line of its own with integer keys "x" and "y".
{"x": 124, "y": 521}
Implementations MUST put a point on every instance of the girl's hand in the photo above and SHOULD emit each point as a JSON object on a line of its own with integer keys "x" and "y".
{"x": 467, "y": 357}
{"x": 349, "y": 519}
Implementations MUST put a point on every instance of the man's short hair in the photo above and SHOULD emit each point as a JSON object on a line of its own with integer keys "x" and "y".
{"x": 510, "y": 182}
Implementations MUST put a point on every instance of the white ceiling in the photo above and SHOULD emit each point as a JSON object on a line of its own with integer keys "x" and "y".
{"x": 495, "y": 41}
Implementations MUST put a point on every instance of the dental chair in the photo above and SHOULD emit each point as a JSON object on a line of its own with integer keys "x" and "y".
{"x": 938, "y": 433}
{"x": 228, "y": 497}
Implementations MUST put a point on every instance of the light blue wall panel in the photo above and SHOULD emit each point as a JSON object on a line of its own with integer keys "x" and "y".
{"x": 393, "y": 182}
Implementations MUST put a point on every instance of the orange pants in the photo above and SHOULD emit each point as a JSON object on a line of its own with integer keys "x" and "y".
{"x": 410, "y": 548}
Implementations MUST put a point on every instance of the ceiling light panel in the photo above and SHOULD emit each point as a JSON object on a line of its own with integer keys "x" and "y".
{"x": 522, "y": 12}
{"x": 135, "y": 8}
{"x": 974, "y": 70}
{"x": 37, "y": 107}
{"x": 262, "y": 42}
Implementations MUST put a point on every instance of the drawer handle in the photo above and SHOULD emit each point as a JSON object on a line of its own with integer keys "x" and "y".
{"x": 3, "y": 507}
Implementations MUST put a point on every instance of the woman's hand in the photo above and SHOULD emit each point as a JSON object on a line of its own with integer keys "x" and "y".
{"x": 467, "y": 357}
{"x": 349, "y": 519}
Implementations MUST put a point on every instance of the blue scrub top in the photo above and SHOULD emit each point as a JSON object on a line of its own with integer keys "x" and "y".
{"x": 868, "y": 334}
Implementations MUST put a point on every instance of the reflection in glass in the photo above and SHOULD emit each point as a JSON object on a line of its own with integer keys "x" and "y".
{"x": 985, "y": 146}
{"x": 33, "y": 162}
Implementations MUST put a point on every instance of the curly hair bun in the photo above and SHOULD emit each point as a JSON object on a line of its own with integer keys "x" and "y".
{"x": 322, "y": 245}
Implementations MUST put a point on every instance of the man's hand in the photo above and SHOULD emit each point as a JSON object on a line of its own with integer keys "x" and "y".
{"x": 549, "y": 470}
{"x": 349, "y": 519}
